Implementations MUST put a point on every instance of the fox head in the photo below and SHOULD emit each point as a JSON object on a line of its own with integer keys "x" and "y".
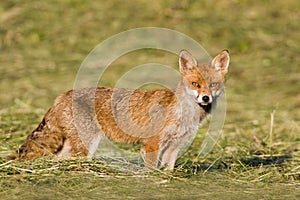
{"x": 204, "y": 82}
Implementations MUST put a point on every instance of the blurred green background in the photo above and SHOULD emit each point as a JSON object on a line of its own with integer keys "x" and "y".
{"x": 42, "y": 44}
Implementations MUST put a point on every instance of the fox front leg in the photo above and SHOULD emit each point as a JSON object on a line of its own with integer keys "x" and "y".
{"x": 168, "y": 156}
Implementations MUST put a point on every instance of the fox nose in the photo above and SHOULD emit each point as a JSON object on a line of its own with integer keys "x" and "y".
{"x": 205, "y": 99}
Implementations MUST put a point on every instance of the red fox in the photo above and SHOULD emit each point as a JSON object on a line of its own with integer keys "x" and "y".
{"x": 163, "y": 120}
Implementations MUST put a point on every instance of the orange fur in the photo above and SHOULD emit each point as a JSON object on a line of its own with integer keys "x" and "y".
{"x": 162, "y": 120}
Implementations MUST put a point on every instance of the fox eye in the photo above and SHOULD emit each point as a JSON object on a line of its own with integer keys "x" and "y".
{"x": 213, "y": 84}
{"x": 196, "y": 84}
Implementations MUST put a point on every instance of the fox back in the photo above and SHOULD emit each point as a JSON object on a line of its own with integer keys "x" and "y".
{"x": 163, "y": 120}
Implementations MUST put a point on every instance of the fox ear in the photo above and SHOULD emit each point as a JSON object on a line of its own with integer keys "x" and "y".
{"x": 221, "y": 62}
{"x": 186, "y": 62}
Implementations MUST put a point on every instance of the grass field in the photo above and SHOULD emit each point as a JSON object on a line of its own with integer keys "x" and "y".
{"x": 42, "y": 44}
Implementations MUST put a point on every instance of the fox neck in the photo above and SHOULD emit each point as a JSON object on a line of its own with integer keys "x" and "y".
{"x": 182, "y": 93}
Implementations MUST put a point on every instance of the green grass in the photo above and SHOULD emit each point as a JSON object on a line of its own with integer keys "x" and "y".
{"x": 42, "y": 44}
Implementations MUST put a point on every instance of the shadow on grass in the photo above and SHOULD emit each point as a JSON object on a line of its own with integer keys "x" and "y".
{"x": 190, "y": 167}
{"x": 256, "y": 161}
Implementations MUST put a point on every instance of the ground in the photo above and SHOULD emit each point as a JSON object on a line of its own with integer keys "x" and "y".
{"x": 43, "y": 43}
